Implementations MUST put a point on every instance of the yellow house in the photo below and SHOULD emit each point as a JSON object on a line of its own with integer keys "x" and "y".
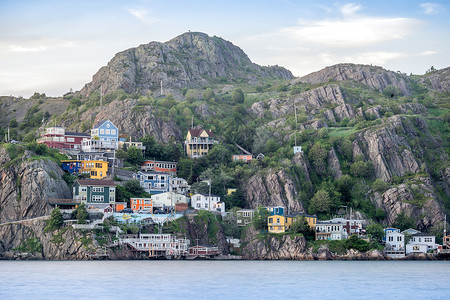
{"x": 198, "y": 142}
{"x": 96, "y": 169}
{"x": 276, "y": 224}
{"x": 231, "y": 191}
{"x": 279, "y": 224}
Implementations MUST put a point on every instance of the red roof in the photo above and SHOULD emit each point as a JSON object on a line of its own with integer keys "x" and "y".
{"x": 197, "y": 132}
{"x": 96, "y": 182}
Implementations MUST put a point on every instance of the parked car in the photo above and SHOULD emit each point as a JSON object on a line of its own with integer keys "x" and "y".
{"x": 145, "y": 211}
{"x": 126, "y": 210}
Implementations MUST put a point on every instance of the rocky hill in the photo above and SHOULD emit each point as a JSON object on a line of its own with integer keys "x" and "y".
{"x": 192, "y": 59}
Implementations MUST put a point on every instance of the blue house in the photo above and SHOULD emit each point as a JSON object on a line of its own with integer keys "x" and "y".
{"x": 71, "y": 166}
{"x": 153, "y": 182}
{"x": 276, "y": 210}
{"x": 105, "y": 131}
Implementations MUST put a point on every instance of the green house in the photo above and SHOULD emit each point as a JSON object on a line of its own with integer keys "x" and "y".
{"x": 244, "y": 216}
{"x": 94, "y": 191}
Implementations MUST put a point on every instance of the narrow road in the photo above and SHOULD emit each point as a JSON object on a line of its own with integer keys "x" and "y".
{"x": 26, "y": 220}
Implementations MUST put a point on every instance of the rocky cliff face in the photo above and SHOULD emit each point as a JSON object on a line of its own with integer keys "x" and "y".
{"x": 284, "y": 247}
{"x": 374, "y": 77}
{"x": 190, "y": 59}
{"x": 416, "y": 198}
{"x": 136, "y": 120}
{"x": 58, "y": 245}
{"x": 274, "y": 188}
{"x": 389, "y": 149}
{"x": 438, "y": 80}
{"x": 26, "y": 187}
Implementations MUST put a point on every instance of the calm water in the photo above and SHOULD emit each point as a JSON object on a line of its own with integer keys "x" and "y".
{"x": 224, "y": 280}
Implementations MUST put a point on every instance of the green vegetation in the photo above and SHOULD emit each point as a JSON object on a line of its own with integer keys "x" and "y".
{"x": 56, "y": 220}
{"x": 30, "y": 245}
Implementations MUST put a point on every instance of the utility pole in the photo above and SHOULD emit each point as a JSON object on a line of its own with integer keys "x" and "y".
{"x": 295, "y": 131}
{"x": 209, "y": 205}
{"x": 161, "y": 88}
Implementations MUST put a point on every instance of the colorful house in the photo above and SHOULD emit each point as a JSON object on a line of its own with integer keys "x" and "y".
{"x": 280, "y": 223}
{"x": 153, "y": 182}
{"x": 168, "y": 167}
{"x": 330, "y": 230}
{"x": 275, "y": 210}
{"x": 94, "y": 191}
{"x": 242, "y": 157}
{"x": 421, "y": 242}
{"x": 198, "y": 142}
{"x": 105, "y": 131}
{"x": 71, "y": 166}
{"x": 58, "y": 137}
{"x": 206, "y": 202}
{"x": 244, "y": 216}
{"x": 168, "y": 199}
{"x": 179, "y": 185}
{"x": 276, "y": 224}
{"x": 96, "y": 169}
{"x": 141, "y": 203}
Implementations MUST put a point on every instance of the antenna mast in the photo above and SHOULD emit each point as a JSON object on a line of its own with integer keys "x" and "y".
{"x": 161, "y": 88}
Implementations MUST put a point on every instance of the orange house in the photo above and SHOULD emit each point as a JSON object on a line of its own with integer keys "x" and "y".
{"x": 242, "y": 157}
{"x": 168, "y": 167}
{"x": 141, "y": 203}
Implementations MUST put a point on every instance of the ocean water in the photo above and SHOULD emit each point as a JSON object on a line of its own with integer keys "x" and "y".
{"x": 224, "y": 280}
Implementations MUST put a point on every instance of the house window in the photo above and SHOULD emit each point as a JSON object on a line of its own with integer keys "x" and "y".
{"x": 113, "y": 131}
{"x": 108, "y": 131}
{"x": 112, "y": 199}
{"x": 97, "y": 189}
{"x": 97, "y": 198}
{"x": 102, "y": 131}
{"x": 83, "y": 198}
{"x": 198, "y": 205}
{"x": 84, "y": 188}
{"x": 270, "y": 220}
{"x": 71, "y": 140}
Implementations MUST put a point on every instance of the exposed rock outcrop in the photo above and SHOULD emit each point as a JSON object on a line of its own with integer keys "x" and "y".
{"x": 334, "y": 166}
{"x": 388, "y": 146}
{"x": 190, "y": 59}
{"x": 135, "y": 119}
{"x": 415, "y": 198}
{"x": 274, "y": 247}
{"x": 59, "y": 245}
{"x": 26, "y": 187}
{"x": 374, "y": 77}
{"x": 438, "y": 80}
{"x": 274, "y": 188}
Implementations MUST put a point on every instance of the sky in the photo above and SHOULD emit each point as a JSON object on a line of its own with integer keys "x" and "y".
{"x": 53, "y": 47}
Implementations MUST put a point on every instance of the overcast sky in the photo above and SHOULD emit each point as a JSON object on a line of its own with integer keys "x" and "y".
{"x": 53, "y": 46}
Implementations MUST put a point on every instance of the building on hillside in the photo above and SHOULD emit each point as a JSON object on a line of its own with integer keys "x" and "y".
{"x": 179, "y": 186}
{"x": 395, "y": 243}
{"x": 125, "y": 142}
{"x": 105, "y": 131}
{"x": 95, "y": 169}
{"x": 94, "y": 191}
{"x": 421, "y": 242}
{"x": 168, "y": 199}
{"x": 329, "y": 230}
{"x": 168, "y": 167}
{"x": 141, "y": 203}
{"x": 153, "y": 182}
{"x": 282, "y": 223}
{"x": 206, "y": 202}
{"x": 410, "y": 232}
{"x": 231, "y": 191}
{"x": 242, "y": 157}
{"x": 198, "y": 142}
{"x": 58, "y": 137}
{"x": 276, "y": 224}
{"x": 71, "y": 166}
{"x": 275, "y": 210}
{"x": 244, "y": 216}
{"x": 350, "y": 226}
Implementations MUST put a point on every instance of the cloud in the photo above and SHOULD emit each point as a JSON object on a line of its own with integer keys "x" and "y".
{"x": 36, "y": 45}
{"x": 141, "y": 15}
{"x": 431, "y": 8}
{"x": 350, "y": 9}
{"x": 350, "y": 29}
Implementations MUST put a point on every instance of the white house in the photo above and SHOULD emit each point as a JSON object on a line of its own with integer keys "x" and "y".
{"x": 205, "y": 202}
{"x": 421, "y": 242}
{"x": 330, "y": 230}
{"x": 179, "y": 185}
{"x": 395, "y": 243}
{"x": 168, "y": 199}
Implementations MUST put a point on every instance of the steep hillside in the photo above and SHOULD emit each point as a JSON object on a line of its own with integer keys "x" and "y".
{"x": 189, "y": 60}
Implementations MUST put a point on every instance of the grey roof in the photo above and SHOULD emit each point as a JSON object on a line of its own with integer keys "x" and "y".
{"x": 78, "y": 134}
{"x": 422, "y": 234}
{"x": 100, "y": 123}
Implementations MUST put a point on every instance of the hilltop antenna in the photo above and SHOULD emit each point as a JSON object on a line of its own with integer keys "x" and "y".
{"x": 445, "y": 229}
{"x": 101, "y": 94}
{"x": 161, "y": 88}
{"x": 295, "y": 131}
